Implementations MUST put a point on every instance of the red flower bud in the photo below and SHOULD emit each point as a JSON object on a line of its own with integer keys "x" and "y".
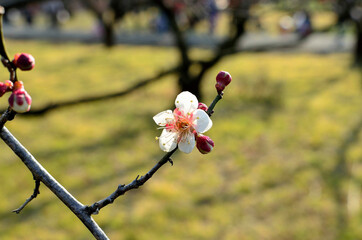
{"x": 202, "y": 106}
{"x": 24, "y": 61}
{"x": 222, "y": 80}
{"x": 20, "y": 101}
{"x": 5, "y": 87}
{"x": 204, "y": 143}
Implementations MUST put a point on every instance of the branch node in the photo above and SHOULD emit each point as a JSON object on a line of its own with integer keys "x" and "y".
{"x": 120, "y": 187}
{"x": 95, "y": 212}
{"x": 170, "y": 161}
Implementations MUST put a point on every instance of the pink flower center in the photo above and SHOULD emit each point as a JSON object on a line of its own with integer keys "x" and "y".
{"x": 182, "y": 122}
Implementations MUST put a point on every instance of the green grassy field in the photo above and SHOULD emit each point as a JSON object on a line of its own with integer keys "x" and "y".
{"x": 280, "y": 133}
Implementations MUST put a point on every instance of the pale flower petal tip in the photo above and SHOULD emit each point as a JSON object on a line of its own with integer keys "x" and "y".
{"x": 202, "y": 121}
{"x": 168, "y": 140}
{"x": 187, "y": 143}
{"x": 163, "y": 118}
{"x": 186, "y": 102}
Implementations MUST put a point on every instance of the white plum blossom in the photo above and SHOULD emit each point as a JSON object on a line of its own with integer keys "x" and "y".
{"x": 182, "y": 125}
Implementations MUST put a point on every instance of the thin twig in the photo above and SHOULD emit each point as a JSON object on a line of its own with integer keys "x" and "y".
{"x": 122, "y": 189}
{"x": 210, "y": 110}
{"x": 34, "y": 195}
{"x": 11, "y": 68}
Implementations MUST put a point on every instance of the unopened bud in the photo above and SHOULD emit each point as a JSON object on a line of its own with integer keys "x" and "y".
{"x": 24, "y": 61}
{"x": 204, "y": 144}
{"x": 202, "y": 106}
{"x": 5, "y": 87}
{"x": 20, "y": 101}
{"x": 222, "y": 80}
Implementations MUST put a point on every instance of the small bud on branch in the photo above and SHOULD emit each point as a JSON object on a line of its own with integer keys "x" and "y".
{"x": 202, "y": 106}
{"x": 19, "y": 100}
{"x": 222, "y": 80}
{"x": 204, "y": 143}
{"x": 24, "y": 61}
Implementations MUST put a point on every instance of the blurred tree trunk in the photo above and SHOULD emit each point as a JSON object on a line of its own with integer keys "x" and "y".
{"x": 107, "y": 19}
{"x": 349, "y": 10}
{"x": 185, "y": 81}
{"x": 107, "y": 13}
{"x": 192, "y": 72}
{"x": 358, "y": 46}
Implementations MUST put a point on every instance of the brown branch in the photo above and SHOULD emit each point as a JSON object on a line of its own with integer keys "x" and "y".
{"x": 210, "y": 109}
{"x": 73, "y": 102}
{"x": 34, "y": 195}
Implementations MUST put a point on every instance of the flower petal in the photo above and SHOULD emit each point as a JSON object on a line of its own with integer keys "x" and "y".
{"x": 202, "y": 121}
{"x": 163, "y": 118}
{"x": 186, "y": 102}
{"x": 168, "y": 140}
{"x": 187, "y": 143}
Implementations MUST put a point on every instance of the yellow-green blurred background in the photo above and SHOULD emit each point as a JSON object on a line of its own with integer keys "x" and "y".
{"x": 287, "y": 162}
